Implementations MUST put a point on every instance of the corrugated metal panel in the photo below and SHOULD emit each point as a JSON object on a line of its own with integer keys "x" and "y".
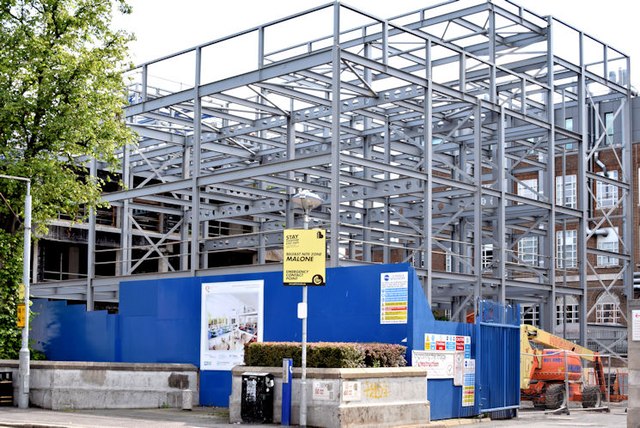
{"x": 498, "y": 358}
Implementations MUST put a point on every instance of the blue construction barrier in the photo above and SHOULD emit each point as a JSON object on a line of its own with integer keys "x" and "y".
{"x": 160, "y": 321}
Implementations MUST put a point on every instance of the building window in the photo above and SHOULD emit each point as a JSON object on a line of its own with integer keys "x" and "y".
{"x": 568, "y": 123}
{"x": 608, "y": 124}
{"x": 566, "y": 249}
{"x": 528, "y": 250}
{"x": 610, "y": 245}
{"x": 608, "y": 309}
{"x": 569, "y": 312}
{"x": 566, "y": 194}
{"x": 487, "y": 255}
{"x": 606, "y": 194}
{"x": 528, "y": 188}
{"x": 529, "y": 314}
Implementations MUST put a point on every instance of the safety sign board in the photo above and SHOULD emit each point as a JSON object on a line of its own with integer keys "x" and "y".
{"x": 305, "y": 253}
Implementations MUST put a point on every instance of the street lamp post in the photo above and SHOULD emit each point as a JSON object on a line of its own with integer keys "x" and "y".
{"x": 308, "y": 201}
{"x": 23, "y": 370}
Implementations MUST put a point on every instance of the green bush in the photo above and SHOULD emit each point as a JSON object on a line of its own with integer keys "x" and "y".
{"x": 384, "y": 355}
{"x": 325, "y": 354}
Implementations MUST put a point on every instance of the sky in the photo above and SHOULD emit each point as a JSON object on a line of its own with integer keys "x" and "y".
{"x": 162, "y": 27}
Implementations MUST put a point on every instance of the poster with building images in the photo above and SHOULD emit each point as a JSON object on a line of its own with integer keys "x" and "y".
{"x": 231, "y": 315}
{"x": 394, "y": 297}
{"x": 469, "y": 383}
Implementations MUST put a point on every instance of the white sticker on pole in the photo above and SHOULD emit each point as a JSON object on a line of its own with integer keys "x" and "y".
{"x": 302, "y": 310}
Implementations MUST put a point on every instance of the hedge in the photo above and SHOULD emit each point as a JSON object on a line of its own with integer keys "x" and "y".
{"x": 325, "y": 354}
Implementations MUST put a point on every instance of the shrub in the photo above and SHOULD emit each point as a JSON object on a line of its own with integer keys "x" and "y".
{"x": 384, "y": 355}
{"x": 270, "y": 354}
{"x": 326, "y": 354}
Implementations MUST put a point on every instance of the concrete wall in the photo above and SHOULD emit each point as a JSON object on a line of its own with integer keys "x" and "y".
{"x": 388, "y": 396}
{"x": 88, "y": 385}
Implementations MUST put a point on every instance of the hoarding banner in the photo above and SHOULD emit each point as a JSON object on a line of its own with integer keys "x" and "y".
{"x": 394, "y": 297}
{"x": 231, "y": 315}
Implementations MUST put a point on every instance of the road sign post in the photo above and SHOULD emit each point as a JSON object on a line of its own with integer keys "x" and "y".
{"x": 309, "y": 274}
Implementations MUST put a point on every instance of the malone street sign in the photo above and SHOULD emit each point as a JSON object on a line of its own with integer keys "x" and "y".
{"x": 305, "y": 252}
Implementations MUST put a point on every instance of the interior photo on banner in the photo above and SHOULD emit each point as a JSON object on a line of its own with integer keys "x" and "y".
{"x": 232, "y": 315}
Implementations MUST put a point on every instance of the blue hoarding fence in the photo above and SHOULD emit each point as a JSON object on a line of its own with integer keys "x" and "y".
{"x": 498, "y": 356}
{"x": 160, "y": 321}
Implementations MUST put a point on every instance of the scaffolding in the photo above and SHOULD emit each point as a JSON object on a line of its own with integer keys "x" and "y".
{"x": 441, "y": 138}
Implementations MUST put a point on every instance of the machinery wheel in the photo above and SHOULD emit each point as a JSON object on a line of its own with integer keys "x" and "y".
{"x": 555, "y": 396}
{"x": 591, "y": 396}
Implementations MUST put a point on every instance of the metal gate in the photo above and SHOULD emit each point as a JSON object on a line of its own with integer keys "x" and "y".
{"x": 498, "y": 359}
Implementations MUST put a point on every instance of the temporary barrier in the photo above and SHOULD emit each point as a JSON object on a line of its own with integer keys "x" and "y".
{"x": 498, "y": 353}
{"x": 205, "y": 321}
{"x": 484, "y": 360}
{"x": 162, "y": 320}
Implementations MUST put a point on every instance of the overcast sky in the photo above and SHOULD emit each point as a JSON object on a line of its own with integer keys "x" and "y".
{"x": 165, "y": 26}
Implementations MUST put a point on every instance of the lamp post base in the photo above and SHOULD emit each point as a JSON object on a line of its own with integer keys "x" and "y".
{"x": 23, "y": 379}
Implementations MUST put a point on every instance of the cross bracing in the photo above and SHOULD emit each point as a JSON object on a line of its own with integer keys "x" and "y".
{"x": 435, "y": 138}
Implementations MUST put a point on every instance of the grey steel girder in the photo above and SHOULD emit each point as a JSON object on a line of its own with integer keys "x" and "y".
{"x": 416, "y": 131}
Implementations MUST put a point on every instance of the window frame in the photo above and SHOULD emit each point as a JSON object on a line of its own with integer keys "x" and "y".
{"x": 605, "y": 192}
{"x": 571, "y": 308}
{"x": 530, "y": 314}
{"x": 607, "y": 261}
{"x": 570, "y": 186}
{"x": 608, "y": 309}
{"x": 528, "y": 250}
{"x": 608, "y": 128}
{"x": 525, "y": 192}
{"x": 562, "y": 237}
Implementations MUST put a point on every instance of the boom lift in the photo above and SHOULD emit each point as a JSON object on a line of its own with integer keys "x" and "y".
{"x": 543, "y": 373}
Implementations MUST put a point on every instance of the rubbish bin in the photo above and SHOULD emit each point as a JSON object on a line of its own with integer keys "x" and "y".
{"x": 256, "y": 404}
{"x": 6, "y": 388}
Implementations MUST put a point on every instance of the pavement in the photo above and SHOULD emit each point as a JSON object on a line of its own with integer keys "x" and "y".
{"x": 143, "y": 418}
{"x": 219, "y": 417}
{"x": 124, "y": 418}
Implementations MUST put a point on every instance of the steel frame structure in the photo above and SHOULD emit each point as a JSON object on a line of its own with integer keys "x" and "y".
{"x": 417, "y": 131}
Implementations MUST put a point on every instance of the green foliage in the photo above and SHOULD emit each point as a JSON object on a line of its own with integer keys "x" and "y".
{"x": 61, "y": 99}
{"x": 384, "y": 355}
{"x": 326, "y": 354}
{"x": 10, "y": 276}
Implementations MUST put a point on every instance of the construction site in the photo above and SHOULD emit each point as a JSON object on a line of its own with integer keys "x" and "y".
{"x": 487, "y": 146}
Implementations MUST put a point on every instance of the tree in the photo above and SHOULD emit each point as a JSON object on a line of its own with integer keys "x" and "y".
{"x": 61, "y": 98}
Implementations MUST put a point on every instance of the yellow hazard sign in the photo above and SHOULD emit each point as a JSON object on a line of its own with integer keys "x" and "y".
{"x": 305, "y": 253}
{"x": 22, "y": 315}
